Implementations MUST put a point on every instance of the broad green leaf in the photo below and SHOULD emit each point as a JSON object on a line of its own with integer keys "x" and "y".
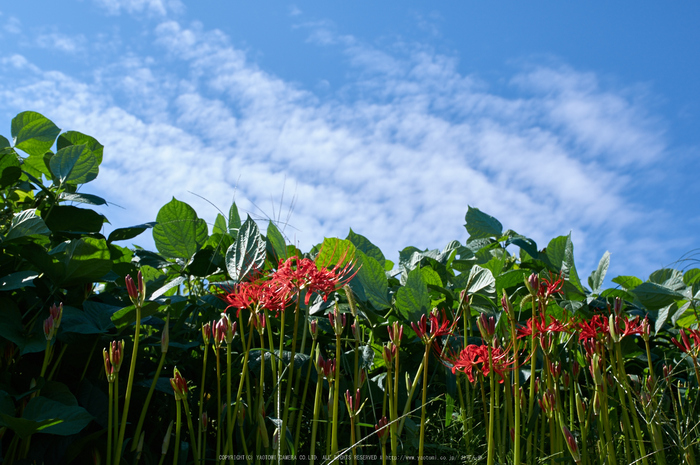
{"x": 95, "y": 318}
{"x": 628, "y": 283}
{"x": 86, "y": 260}
{"x": 654, "y": 296}
{"x": 246, "y": 256}
{"x": 430, "y": 276}
{"x": 33, "y": 133}
{"x": 127, "y": 315}
{"x": 10, "y": 170}
{"x": 171, "y": 285}
{"x": 673, "y": 279}
{"x": 122, "y": 234}
{"x": 511, "y": 278}
{"x": 18, "y": 280}
{"x": 4, "y": 143}
{"x": 277, "y": 242}
{"x": 691, "y": 276}
{"x": 26, "y": 223}
{"x": 234, "y": 220}
{"x": 480, "y": 225}
{"x": 66, "y": 419}
{"x": 362, "y": 243}
{"x": 36, "y": 165}
{"x": 413, "y": 299}
{"x": 663, "y": 314}
{"x": 525, "y": 243}
{"x": 219, "y": 225}
{"x": 598, "y": 276}
{"x": 335, "y": 252}
{"x": 560, "y": 252}
{"x": 69, "y": 138}
{"x": 11, "y": 328}
{"x": 66, "y": 218}
{"x": 178, "y": 232}
{"x": 480, "y": 280}
{"x": 63, "y": 163}
{"x": 89, "y": 199}
{"x": 374, "y": 281}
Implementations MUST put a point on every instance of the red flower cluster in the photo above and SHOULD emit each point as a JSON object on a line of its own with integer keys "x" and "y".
{"x": 477, "y": 357}
{"x": 542, "y": 326}
{"x": 687, "y": 347}
{"x": 292, "y": 276}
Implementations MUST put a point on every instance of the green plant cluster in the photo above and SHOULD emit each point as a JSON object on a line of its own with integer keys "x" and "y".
{"x": 262, "y": 395}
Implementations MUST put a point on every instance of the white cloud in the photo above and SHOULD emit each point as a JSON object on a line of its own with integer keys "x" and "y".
{"x": 151, "y": 7}
{"x": 397, "y": 155}
{"x": 12, "y": 25}
{"x": 61, "y": 42}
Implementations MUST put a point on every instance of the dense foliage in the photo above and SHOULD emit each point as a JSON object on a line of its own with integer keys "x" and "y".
{"x": 472, "y": 353}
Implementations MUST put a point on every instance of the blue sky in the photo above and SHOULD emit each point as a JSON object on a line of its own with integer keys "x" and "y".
{"x": 387, "y": 117}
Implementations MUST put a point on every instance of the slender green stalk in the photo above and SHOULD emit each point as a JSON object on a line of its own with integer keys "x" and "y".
{"x": 421, "y": 444}
{"x": 218, "y": 403}
{"x": 109, "y": 423}
{"x": 129, "y": 386}
{"x": 58, "y": 361}
{"x": 492, "y": 378}
{"x": 317, "y": 411}
{"x": 229, "y": 413}
{"x": 177, "y": 432}
{"x": 190, "y": 428}
{"x": 144, "y": 409}
{"x": 336, "y": 397}
{"x": 201, "y": 397}
{"x": 290, "y": 378}
{"x": 303, "y": 399}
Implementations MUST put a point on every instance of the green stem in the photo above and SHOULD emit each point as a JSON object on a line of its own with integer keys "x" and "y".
{"x": 142, "y": 418}
{"x": 491, "y": 446}
{"x": 290, "y": 378}
{"x": 201, "y": 402}
{"x": 421, "y": 444}
{"x": 129, "y": 386}
{"x": 336, "y": 399}
{"x": 303, "y": 399}
{"x": 317, "y": 411}
{"x": 190, "y": 428}
{"x": 177, "y": 432}
{"x": 109, "y": 423}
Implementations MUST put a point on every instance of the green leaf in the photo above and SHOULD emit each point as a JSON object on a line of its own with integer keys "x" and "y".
{"x": 234, "y": 220}
{"x": 480, "y": 280}
{"x": 18, "y": 280}
{"x": 83, "y": 198}
{"x": 95, "y": 318}
{"x": 75, "y": 220}
{"x": 430, "y": 276}
{"x": 598, "y": 276}
{"x": 334, "y": 252}
{"x": 33, "y": 133}
{"x": 560, "y": 252}
{"x": 26, "y": 223}
{"x": 691, "y": 276}
{"x": 127, "y": 315}
{"x": 11, "y": 328}
{"x": 363, "y": 244}
{"x": 86, "y": 260}
{"x": 628, "y": 283}
{"x": 69, "y": 138}
{"x": 122, "y": 234}
{"x": 673, "y": 279}
{"x": 663, "y": 314}
{"x": 65, "y": 420}
{"x": 413, "y": 299}
{"x": 525, "y": 243}
{"x": 219, "y": 225}
{"x": 246, "y": 256}
{"x": 178, "y": 232}
{"x": 511, "y": 278}
{"x": 10, "y": 170}
{"x": 654, "y": 296}
{"x": 374, "y": 281}
{"x": 480, "y": 225}
{"x": 277, "y": 242}
{"x": 65, "y": 160}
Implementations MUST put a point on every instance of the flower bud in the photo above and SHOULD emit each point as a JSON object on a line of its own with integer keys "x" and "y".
{"x": 116, "y": 354}
{"x": 166, "y": 439}
{"x": 507, "y": 307}
{"x": 314, "y": 329}
{"x": 571, "y": 443}
{"x": 49, "y": 328}
{"x": 57, "y": 314}
{"x": 206, "y": 332}
{"x": 533, "y": 284}
{"x": 179, "y": 385}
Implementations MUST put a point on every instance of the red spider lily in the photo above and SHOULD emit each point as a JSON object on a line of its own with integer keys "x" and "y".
{"x": 542, "y": 326}
{"x": 623, "y": 326}
{"x": 549, "y": 287}
{"x": 116, "y": 354}
{"x": 437, "y": 328}
{"x": 305, "y": 274}
{"x": 595, "y": 328}
{"x": 49, "y": 328}
{"x": 389, "y": 353}
{"x": 687, "y": 347}
{"x": 109, "y": 369}
{"x": 271, "y": 294}
{"x": 473, "y": 355}
{"x": 353, "y": 403}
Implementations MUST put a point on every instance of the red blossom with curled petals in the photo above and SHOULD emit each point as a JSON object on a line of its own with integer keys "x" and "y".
{"x": 476, "y": 357}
